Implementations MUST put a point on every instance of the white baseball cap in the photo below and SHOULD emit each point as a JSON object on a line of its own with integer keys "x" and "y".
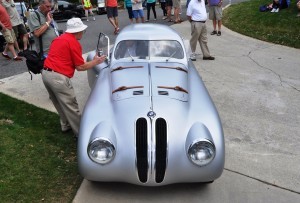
{"x": 75, "y": 25}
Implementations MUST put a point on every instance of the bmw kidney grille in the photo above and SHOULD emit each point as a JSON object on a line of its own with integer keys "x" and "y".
{"x": 160, "y": 149}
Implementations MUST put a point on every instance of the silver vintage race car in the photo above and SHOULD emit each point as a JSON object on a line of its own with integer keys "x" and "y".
{"x": 149, "y": 119}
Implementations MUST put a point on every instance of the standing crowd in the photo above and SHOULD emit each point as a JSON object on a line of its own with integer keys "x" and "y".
{"x": 11, "y": 25}
{"x": 62, "y": 54}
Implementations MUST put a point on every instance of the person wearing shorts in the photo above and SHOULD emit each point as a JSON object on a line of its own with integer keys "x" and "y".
{"x": 21, "y": 31}
{"x": 215, "y": 14}
{"x": 137, "y": 10}
{"x": 8, "y": 34}
{"x": 176, "y": 5}
{"x": 112, "y": 14}
{"x": 87, "y": 6}
{"x": 17, "y": 23}
{"x": 169, "y": 5}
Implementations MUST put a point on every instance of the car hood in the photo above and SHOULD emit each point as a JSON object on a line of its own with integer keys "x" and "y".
{"x": 155, "y": 80}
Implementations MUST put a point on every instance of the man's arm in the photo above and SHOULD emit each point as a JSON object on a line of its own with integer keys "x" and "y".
{"x": 37, "y": 32}
{"x": 90, "y": 64}
{"x": 3, "y": 28}
{"x": 40, "y": 31}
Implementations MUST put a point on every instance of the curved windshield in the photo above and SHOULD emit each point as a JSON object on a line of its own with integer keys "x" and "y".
{"x": 143, "y": 49}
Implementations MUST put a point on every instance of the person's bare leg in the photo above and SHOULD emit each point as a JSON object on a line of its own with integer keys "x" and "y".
{"x": 5, "y": 49}
{"x": 219, "y": 24}
{"x": 87, "y": 14}
{"x": 215, "y": 25}
{"x": 92, "y": 14}
{"x": 176, "y": 14}
{"x": 116, "y": 21}
{"x": 17, "y": 46}
{"x": 169, "y": 9}
{"x": 25, "y": 41}
{"x": 112, "y": 21}
{"x": 11, "y": 48}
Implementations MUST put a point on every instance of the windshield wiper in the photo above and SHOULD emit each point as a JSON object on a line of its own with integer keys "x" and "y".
{"x": 122, "y": 88}
{"x": 176, "y": 68}
{"x": 130, "y": 55}
{"x": 171, "y": 56}
{"x": 177, "y": 88}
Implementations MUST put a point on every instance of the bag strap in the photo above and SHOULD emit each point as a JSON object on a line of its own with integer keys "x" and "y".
{"x": 40, "y": 37}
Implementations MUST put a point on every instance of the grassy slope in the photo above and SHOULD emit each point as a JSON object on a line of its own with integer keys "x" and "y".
{"x": 280, "y": 28}
{"x": 37, "y": 161}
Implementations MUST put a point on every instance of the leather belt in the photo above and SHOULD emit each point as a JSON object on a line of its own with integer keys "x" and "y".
{"x": 199, "y": 21}
{"x": 48, "y": 69}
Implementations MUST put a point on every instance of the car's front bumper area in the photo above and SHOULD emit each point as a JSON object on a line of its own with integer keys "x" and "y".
{"x": 155, "y": 156}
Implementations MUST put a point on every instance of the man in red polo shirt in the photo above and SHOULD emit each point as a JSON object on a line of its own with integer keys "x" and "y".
{"x": 65, "y": 55}
{"x": 112, "y": 14}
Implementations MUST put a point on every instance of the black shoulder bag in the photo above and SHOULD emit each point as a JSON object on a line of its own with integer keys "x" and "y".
{"x": 35, "y": 61}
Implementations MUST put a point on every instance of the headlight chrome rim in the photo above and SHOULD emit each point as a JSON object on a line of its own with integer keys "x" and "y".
{"x": 206, "y": 148}
{"x": 105, "y": 154}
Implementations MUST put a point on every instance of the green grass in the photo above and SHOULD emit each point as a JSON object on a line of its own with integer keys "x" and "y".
{"x": 280, "y": 28}
{"x": 37, "y": 161}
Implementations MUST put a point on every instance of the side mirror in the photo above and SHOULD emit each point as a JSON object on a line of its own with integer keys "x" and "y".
{"x": 103, "y": 46}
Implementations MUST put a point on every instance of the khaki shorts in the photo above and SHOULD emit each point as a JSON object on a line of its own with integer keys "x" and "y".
{"x": 176, "y": 3}
{"x": 9, "y": 36}
{"x": 215, "y": 13}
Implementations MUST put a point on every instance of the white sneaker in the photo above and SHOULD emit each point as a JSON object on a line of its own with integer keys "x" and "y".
{"x": 94, "y": 18}
{"x": 273, "y": 10}
{"x": 193, "y": 57}
{"x": 87, "y": 20}
{"x": 276, "y": 11}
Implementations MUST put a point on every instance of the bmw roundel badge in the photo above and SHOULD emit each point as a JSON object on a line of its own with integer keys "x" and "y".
{"x": 151, "y": 114}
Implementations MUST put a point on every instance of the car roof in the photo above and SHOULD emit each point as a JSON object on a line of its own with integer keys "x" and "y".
{"x": 148, "y": 31}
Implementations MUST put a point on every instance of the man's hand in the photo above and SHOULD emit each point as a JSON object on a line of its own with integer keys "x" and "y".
{"x": 49, "y": 17}
{"x": 220, "y": 3}
{"x": 99, "y": 59}
{"x": 3, "y": 28}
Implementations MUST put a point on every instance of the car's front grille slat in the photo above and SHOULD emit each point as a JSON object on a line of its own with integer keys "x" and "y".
{"x": 161, "y": 149}
{"x": 142, "y": 149}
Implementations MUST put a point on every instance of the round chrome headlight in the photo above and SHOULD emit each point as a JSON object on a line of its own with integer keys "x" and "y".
{"x": 201, "y": 152}
{"x": 101, "y": 151}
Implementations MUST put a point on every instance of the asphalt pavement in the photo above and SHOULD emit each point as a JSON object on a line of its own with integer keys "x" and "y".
{"x": 256, "y": 88}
